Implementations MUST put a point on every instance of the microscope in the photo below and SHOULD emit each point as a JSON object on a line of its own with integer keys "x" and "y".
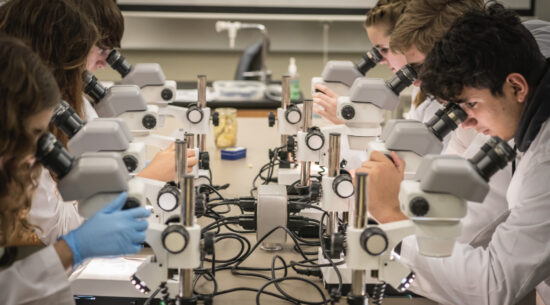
{"x": 337, "y": 197}
{"x": 94, "y": 179}
{"x": 196, "y": 121}
{"x": 434, "y": 202}
{"x": 176, "y": 245}
{"x": 339, "y": 75}
{"x": 102, "y": 134}
{"x": 289, "y": 121}
{"x": 412, "y": 140}
{"x": 149, "y": 77}
{"x": 363, "y": 110}
{"x": 126, "y": 102}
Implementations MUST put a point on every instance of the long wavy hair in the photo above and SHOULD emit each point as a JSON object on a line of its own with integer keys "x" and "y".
{"x": 107, "y": 18}
{"x": 27, "y": 88}
{"x": 61, "y": 35}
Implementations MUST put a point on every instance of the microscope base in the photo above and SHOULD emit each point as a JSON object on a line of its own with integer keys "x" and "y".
{"x": 330, "y": 279}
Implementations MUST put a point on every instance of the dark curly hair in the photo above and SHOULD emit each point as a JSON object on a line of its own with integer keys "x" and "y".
{"x": 62, "y": 37}
{"x": 108, "y": 19}
{"x": 27, "y": 88}
{"x": 479, "y": 51}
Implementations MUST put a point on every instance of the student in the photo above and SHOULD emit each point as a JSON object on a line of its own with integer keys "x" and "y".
{"x": 28, "y": 96}
{"x": 109, "y": 22}
{"x": 424, "y": 23}
{"x": 63, "y": 37}
{"x": 491, "y": 65}
{"x": 379, "y": 24}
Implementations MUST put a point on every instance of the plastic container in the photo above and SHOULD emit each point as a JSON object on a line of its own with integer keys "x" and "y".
{"x": 225, "y": 134}
{"x": 295, "y": 92}
{"x": 239, "y": 90}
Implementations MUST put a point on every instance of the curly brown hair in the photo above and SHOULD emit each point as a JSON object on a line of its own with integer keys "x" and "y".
{"x": 27, "y": 88}
{"x": 386, "y": 13}
{"x": 108, "y": 19}
{"x": 62, "y": 37}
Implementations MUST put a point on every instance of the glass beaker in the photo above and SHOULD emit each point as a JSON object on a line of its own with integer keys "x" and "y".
{"x": 225, "y": 134}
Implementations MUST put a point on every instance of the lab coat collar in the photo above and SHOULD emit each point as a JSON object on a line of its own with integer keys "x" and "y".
{"x": 536, "y": 112}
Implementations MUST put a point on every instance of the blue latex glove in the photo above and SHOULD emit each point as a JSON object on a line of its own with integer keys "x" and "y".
{"x": 111, "y": 231}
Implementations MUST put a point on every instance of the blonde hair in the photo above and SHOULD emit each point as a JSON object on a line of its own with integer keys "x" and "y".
{"x": 386, "y": 13}
{"x": 425, "y": 22}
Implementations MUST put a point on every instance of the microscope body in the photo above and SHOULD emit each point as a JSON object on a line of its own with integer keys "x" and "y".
{"x": 96, "y": 179}
{"x": 109, "y": 134}
{"x": 436, "y": 200}
{"x": 339, "y": 75}
{"x": 147, "y": 76}
{"x": 363, "y": 111}
{"x": 127, "y": 103}
{"x": 410, "y": 140}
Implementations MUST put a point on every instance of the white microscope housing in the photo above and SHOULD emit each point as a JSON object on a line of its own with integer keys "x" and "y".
{"x": 339, "y": 75}
{"x": 412, "y": 140}
{"x": 149, "y": 77}
{"x": 94, "y": 179}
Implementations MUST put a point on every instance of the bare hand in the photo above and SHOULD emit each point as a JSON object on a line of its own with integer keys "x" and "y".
{"x": 384, "y": 179}
{"x": 163, "y": 165}
{"x": 324, "y": 104}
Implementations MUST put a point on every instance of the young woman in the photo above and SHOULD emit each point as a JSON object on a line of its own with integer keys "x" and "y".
{"x": 28, "y": 96}
{"x": 379, "y": 24}
{"x": 63, "y": 37}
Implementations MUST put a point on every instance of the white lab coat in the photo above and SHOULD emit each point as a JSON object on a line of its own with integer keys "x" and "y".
{"x": 466, "y": 143}
{"x": 52, "y": 216}
{"x": 518, "y": 256}
{"x": 38, "y": 279}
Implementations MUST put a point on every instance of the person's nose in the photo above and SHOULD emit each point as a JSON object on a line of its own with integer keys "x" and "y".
{"x": 470, "y": 122}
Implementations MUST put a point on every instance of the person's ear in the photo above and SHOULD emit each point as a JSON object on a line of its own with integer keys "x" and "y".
{"x": 520, "y": 86}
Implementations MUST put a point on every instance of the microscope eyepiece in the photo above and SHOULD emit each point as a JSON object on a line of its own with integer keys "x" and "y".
{"x": 446, "y": 120}
{"x": 403, "y": 78}
{"x": 492, "y": 157}
{"x": 66, "y": 119}
{"x": 370, "y": 59}
{"x": 51, "y": 153}
{"x": 118, "y": 63}
{"x": 93, "y": 88}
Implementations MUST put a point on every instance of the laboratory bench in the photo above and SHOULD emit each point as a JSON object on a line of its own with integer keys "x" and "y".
{"x": 107, "y": 281}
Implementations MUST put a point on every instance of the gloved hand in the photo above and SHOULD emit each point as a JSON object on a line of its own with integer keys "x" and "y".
{"x": 111, "y": 231}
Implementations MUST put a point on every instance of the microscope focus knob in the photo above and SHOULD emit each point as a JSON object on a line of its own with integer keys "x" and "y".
{"x": 174, "y": 238}
{"x": 343, "y": 186}
{"x": 374, "y": 241}
{"x": 315, "y": 139}
{"x": 216, "y": 118}
{"x": 204, "y": 160}
{"x": 168, "y": 197}
{"x": 166, "y": 94}
{"x": 131, "y": 163}
{"x": 271, "y": 119}
{"x": 194, "y": 114}
{"x": 348, "y": 112}
{"x": 149, "y": 121}
{"x": 293, "y": 115}
{"x": 419, "y": 206}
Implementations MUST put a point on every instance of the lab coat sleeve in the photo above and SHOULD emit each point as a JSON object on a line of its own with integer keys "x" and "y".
{"x": 514, "y": 262}
{"x": 52, "y": 216}
{"x": 38, "y": 279}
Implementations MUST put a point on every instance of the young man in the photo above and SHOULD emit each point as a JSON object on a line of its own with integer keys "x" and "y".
{"x": 491, "y": 65}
